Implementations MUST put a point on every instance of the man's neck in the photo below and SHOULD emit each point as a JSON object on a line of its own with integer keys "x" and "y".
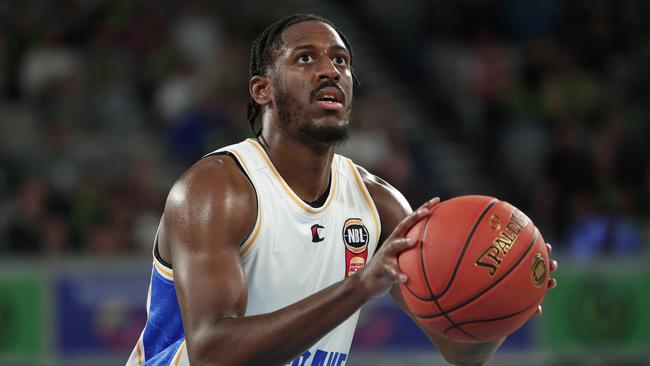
{"x": 305, "y": 168}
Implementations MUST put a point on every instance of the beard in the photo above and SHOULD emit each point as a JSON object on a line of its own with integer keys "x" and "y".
{"x": 330, "y": 135}
{"x": 291, "y": 112}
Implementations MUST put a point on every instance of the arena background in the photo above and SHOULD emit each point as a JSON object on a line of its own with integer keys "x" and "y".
{"x": 544, "y": 103}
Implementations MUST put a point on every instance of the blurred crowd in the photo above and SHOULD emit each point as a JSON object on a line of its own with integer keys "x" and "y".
{"x": 103, "y": 104}
{"x": 554, "y": 96}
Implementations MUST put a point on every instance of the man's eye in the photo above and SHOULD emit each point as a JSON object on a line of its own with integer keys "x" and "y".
{"x": 340, "y": 60}
{"x": 305, "y": 58}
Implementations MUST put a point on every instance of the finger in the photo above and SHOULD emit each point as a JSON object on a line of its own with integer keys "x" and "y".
{"x": 422, "y": 211}
{"x": 549, "y": 248}
{"x": 430, "y": 204}
{"x": 403, "y": 278}
{"x": 539, "y": 310}
{"x": 397, "y": 246}
{"x": 553, "y": 265}
{"x": 392, "y": 271}
{"x": 405, "y": 225}
{"x": 552, "y": 283}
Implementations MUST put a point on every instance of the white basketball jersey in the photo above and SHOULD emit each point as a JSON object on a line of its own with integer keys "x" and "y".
{"x": 296, "y": 250}
{"x": 293, "y": 251}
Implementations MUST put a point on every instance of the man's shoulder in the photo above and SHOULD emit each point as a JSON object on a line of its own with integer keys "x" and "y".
{"x": 391, "y": 204}
{"x": 212, "y": 205}
{"x": 219, "y": 164}
{"x": 379, "y": 189}
{"x": 227, "y": 149}
{"x": 214, "y": 177}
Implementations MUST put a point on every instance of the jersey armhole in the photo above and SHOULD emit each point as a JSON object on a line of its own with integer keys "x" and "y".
{"x": 156, "y": 254}
{"x": 248, "y": 241}
{"x": 252, "y": 236}
{"x": 234, "y": 158}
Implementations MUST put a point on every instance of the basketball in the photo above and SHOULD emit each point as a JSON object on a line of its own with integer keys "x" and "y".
{"x": 478, "y": 272}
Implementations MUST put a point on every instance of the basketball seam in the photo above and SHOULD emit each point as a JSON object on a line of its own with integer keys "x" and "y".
{"x": 458, "y": 325}
{"x": 423, "y": 267}
{"x": 424, "y": 273}
{"x": 426, "y": 280}
{"x": 462, "y": 253}
{"x": 456, "y": 307}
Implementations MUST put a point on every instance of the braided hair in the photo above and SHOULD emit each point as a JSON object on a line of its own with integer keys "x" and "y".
{"x": 266, "y": 44}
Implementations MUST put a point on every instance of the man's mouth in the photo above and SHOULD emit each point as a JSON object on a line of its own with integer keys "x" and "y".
{"x": 330, "y": 98}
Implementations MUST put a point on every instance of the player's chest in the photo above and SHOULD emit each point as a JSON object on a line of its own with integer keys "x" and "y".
{"x": 338, "y": 243}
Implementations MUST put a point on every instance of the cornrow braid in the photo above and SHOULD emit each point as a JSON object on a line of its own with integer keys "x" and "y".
{"x": 266, "y": 44}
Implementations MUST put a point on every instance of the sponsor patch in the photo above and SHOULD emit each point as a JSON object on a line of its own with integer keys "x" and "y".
{"x": 355, "y": 238}
{"x": 356, "y": 263}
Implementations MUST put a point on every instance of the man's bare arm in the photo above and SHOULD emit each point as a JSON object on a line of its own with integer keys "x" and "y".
{"x": 209, "y": 213}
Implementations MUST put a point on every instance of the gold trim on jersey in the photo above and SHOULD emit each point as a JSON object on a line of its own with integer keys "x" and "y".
{"x": 248, "y": 244}
{"x": 177, "y": 357}
{"x": 355, "y": 221}
{"x": 252, "y": 237}
{"x": 294, "y": 197}
{"x": 367, "y": 198}
{"x": 138, "y": 347}
{"x": 163, "y": 270}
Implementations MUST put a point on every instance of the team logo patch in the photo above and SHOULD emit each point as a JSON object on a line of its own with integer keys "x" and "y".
{"x": 316, "y": 233}
{"x": 355, "y": 236}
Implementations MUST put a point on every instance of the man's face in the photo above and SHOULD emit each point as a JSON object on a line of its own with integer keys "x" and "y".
{"x": 312, "y": 83}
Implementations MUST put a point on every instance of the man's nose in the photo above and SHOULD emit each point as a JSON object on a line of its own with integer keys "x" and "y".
{"x": 327, "y": 70}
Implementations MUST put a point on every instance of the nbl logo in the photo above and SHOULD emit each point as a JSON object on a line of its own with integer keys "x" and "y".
{"x": 355, "y": 236}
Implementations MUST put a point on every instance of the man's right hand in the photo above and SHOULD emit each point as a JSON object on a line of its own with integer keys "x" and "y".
{"x": 382, "y": 272}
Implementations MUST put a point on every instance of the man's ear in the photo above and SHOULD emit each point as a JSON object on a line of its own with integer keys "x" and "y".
{"x": 260, "y": 89}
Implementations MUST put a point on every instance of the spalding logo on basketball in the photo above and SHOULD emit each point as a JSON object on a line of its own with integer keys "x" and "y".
{"x": 492, "y": 257}
{"x": 355, "y": 236}
{"x": 478, "y": 272}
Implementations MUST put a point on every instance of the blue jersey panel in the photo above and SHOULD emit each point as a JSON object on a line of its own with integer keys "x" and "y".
{"x": 164, "y": 325}
{"x": 164, "y": 358}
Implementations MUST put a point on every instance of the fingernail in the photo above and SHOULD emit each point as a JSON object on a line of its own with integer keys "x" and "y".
{"x": 421, "y": 211}
{"x": 411, "y": 241}
{"x": 403, "y": 278}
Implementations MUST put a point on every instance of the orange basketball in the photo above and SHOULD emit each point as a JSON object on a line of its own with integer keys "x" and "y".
{"x": 479, "y": 270}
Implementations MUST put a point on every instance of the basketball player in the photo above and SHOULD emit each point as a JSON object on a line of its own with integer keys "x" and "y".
{"x": 268, "y": 248}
